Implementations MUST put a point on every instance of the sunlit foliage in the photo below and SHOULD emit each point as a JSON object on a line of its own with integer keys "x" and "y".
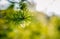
{"x": 26, "y": 24}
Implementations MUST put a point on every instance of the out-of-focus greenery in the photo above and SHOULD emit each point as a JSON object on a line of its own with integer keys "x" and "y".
{"x": 26, "y": 24}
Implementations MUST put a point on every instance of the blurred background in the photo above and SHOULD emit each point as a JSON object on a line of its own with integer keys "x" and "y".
{"x": 47, "y": 6}
{"x": 29, "y": 19}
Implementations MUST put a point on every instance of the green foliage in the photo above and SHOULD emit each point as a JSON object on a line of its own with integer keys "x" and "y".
{"x": 23, "y": 24}
{"x": 23, "y": 6}
{"x": 11, "y": 19}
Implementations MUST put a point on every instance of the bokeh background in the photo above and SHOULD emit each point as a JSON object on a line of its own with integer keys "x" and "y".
{"x": 29, "y": 19}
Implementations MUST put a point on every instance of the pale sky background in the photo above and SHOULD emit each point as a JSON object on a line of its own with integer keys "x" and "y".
{"x": 47, "y": 6}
